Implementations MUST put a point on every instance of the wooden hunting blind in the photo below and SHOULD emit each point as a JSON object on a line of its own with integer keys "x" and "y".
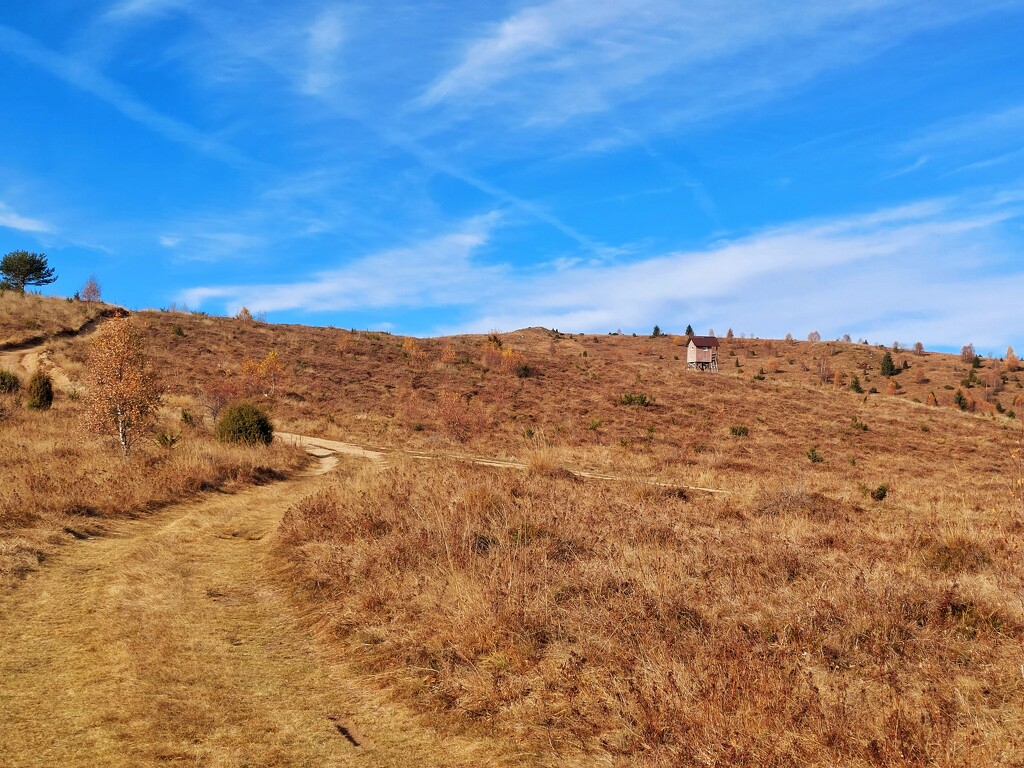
{"x": 702, "y": 353}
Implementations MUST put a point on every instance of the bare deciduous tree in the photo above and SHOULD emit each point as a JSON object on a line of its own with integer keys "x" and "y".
{"x": 824, "y": 369}
{"x": 967, "y": 353}
{"x": 91, "y": 290}
{"x": 122, "y": 389}
{"x": 814, "y": 336}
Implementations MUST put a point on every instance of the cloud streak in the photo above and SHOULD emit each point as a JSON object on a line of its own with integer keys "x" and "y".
{"x": 84, "y": 78}
{"x": 325, "y": 37}
{"x": 439, "y": 271}
{"x": 14, "y": 220}
{"x": 564, "y": 59}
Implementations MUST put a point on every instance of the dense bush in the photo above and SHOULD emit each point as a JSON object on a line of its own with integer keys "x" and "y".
{"x": 40, "y": 391}
{"x": 245, "y": 423}
{"x": 636, "y": 398}
{"x": 9, "y": 382}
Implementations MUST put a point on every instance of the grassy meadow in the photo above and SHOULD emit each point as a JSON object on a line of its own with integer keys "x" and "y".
{"x": 849, "y": 593}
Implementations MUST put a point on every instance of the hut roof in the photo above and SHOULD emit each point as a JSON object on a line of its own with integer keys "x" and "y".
{"x": 704, "y": 342}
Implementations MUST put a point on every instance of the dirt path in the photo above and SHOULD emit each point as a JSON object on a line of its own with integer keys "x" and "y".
{"x": 170, "y": 641}
{"x": 380, "y": 455}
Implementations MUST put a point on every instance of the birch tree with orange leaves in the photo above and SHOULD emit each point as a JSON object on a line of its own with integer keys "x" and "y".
{"x": 122, "y": 393}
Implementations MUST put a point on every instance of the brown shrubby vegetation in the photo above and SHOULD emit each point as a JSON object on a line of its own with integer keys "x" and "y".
{"x": 780, "y": 625}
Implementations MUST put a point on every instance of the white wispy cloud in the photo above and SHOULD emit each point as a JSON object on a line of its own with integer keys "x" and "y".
{"x": 970, "y": 142}
{"x": 85, "y": 78}
{"x": 14, "y": 220}
{"x": 325, "y": 37}
{"x": 859, "y": 274}
{"x": 439, "y": 271}
{"x": 560, "y": 59}
{"x": 970, "y": 130}
{"x": 129, "y": 9}
{"x": 917, "y": 165}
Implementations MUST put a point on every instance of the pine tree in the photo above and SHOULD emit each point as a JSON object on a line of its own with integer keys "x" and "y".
{"x": 888, "y": 367}
{"x": 21, "y": 268}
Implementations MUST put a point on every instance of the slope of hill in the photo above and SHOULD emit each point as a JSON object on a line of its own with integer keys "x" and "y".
{"x": 29, "y": 318}
{"x": 850, "y": 600}
{"x": 61, "y": 482}
{"x": 852, "y": 597}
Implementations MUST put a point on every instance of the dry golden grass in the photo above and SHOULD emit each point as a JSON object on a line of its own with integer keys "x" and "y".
{"x": 28, "y": 317}
{"x": 853, "y": 599}
{"x": 169, "y": 642}
{"x": 785, "y": 624}
{"x": 366, "y": 385}
{"x": 60, "y": 483}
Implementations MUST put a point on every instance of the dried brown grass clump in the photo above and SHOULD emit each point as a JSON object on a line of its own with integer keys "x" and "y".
{"x": 776, "y": 627}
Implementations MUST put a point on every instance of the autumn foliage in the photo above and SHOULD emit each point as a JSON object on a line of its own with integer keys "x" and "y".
{"x": 1012, "y": 361}
{"x": 122, "y": 390}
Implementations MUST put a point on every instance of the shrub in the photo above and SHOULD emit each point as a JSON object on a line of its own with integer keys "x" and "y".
{"x": 166, "y": 439}
{"x": 636, "y": 398}
{"x": 880, "y": 492}
{"x": 814, "y": 456}
{"x": 244, "y": 423}
{"x": 40, "y": 391}
{"x": 739, "y": 431}
{"x": 9, "y": 382}
{"x": 960, "y": 401}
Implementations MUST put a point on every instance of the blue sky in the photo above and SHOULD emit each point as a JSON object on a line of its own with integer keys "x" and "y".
{"x": 432, "y": 167}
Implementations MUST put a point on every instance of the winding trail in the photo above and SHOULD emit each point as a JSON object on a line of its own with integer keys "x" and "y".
{"x": 170, "y": 641}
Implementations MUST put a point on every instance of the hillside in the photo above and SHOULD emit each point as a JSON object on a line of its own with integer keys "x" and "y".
{"x": 850, "y": 596}
{"x": 26, "y": 318}
{"x": 392, "y": 391}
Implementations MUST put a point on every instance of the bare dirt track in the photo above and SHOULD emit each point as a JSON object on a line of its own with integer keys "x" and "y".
{"x": 170, "y": 642}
